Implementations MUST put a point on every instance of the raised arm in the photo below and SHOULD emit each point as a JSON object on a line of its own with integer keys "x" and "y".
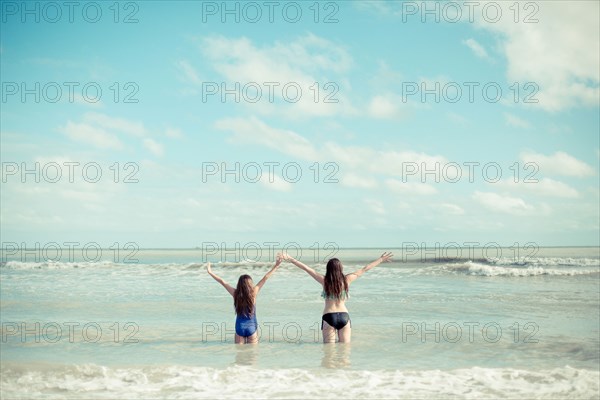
{"x": 260, "y": 284}
{"x": 317, "y": 277}
{"x": 220, "y": 280}
{"x": 385, "y": 257}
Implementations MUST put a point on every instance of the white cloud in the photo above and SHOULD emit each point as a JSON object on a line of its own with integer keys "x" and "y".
{"x": 86, "y": 133}
{"x": 79, "y": 99}
{"x": 356, "y": 162}
{"x": 385, "y": 76}
{"x": 564, "y": 66}
{"x": 82, "y": 196}
{"x": 34, "y": 218}
{"x": 452, "y": 209}
{"x": 153, "y": 146}
{"x": 457, "y": 118}
{"x": 384, "y": 107}
{"x": 503, "y": 203}
{"x": 253, "y": 130}
{"x": 102, "y": 131}
{"x": 60, "y": 160}
{"x": 536, "y": 48}
{"x": 377, "y": 6}
{"x": 118, "y": 124}
{"x": 275, "y": 182}
{"x": 516, "y": 122}
{"x": 375, "y": 206}
{"x": 71, "y": 187}
{"x": 285, "y": 60}
{"x": 430, "y": 83}
{"x": 304, "y": 61}
{"x": 559, "y": 163}
{"x": 559, "y": 128}
{"x": 173, "y": 133}
{"x": 354, "y": 157}
{"x": 544, "y": 187}
{"x": 189, "y": 72}
{"x": 400, "y": 163}
{"x": 392, "y": 163}
{"x": 357, "y": 181}
{"x": 477, "y": 48}
{"x": 410, "y": 188}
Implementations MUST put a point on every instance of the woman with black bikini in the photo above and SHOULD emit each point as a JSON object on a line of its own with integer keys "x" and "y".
{"x": 335, "y": 292}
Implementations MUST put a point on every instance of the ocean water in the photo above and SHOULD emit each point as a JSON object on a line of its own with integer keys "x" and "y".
{"x": 422, "y": 327}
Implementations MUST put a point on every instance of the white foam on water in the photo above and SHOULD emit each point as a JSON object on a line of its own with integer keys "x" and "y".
{"x": 185, "y": 382}
{"x": 546, "y": 261}
{"x": 50, "y": 265}
{"x": 504, "y": 266}
{"x": 475, "y": 268}
{"x": 27, "y": 265}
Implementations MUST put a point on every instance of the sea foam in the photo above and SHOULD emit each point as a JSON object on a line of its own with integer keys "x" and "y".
{"x": 186, "y": 382}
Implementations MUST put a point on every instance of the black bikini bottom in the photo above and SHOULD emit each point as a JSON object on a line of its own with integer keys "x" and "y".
{"x": 337, "y": 320}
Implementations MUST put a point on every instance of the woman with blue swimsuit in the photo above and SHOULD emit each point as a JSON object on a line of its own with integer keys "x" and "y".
{"x": 335, "y": 292}
{"x": 244, "y": 301}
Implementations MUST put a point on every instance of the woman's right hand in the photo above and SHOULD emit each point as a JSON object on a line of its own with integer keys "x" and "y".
{"x": 208, "y": 269}
{"x": 284, "y": 256}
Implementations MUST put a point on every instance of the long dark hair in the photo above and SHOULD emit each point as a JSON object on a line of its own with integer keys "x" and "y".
{"x": 243, "y": 296}
{"x": 335, "y": 284}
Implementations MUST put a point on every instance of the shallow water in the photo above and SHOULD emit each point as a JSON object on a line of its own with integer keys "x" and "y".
{"x": 162, "y": 327}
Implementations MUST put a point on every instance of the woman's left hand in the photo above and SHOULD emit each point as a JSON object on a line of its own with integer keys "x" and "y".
{"x": 386, "y": 257}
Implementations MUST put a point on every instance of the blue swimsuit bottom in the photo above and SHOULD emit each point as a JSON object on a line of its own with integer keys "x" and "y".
{"x": 246, "y": 325}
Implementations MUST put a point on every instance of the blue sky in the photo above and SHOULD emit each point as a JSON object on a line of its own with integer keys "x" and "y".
{"x": 157, "y": 119}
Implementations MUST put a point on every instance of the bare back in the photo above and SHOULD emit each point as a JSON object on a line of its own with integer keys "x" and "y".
{"x": 336, "y": 305}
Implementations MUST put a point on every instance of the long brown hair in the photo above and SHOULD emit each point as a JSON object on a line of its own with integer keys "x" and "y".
{"x": 335, "y": 284}
{"x": 243, "y": 296}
